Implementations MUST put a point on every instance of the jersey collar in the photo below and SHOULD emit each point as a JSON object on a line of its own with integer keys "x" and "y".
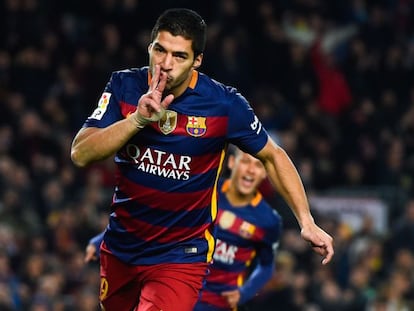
{"x": 254, "y": 202}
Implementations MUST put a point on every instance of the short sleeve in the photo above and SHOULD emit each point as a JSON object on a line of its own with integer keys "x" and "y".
{"x": 245, "y": 129}
{"x": 107, "y": 111}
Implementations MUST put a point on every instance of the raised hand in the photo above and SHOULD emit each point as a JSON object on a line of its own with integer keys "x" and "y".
{"x": 151, "y": 107}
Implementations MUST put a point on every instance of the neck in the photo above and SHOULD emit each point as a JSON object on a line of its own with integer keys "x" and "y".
{"x": 188, "y": 82}
{"x": 238, "y": 199}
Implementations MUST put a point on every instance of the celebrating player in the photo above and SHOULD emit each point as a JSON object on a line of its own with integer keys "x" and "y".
{"x": 168, "y": 127}
{"x": 248, "y": 231}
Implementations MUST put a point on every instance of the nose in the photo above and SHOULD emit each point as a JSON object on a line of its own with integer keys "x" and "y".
{"x": 251, "y": 168}
{"x": 167, "y": 61}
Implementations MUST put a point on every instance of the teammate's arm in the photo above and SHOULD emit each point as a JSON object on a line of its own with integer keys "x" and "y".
{"x": 93, "y": 247}
{"x": 258, "y": 278}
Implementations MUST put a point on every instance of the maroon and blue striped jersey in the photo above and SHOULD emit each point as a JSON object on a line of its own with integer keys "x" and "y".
{"x": 245, "y": 235}
{"x": 164, "y": 201}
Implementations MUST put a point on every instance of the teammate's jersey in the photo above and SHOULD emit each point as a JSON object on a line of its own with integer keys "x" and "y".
{"x": 164, "y": 202}
{"x": 244, "y": 234}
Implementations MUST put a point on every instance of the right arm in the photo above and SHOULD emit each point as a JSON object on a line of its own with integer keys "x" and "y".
{"x": 93, "y": 144}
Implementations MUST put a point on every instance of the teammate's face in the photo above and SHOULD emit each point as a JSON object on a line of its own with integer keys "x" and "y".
{"x": 176, "y": 58}
{"x": 247, "y": 173}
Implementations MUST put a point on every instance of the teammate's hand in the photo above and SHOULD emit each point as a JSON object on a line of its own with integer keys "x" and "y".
{"x": 90, "y": 253}
{"x": 232, "y": 297}
{"x": 321, "y": 242}
{"x": 151, "y": 107}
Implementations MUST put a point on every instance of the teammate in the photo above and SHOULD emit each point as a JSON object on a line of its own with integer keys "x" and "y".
{"x": 248, "y": 230}
{"x": 168, "y": 127}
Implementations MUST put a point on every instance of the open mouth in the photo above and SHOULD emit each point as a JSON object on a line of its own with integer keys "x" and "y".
{"x": 247, "y": 181}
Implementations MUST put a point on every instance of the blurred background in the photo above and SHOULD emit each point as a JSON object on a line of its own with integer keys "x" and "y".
{"x": 332, "y": 81}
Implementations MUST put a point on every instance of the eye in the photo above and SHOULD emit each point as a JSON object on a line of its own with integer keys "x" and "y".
{"x": 259, "y": 165}
{"x": 180, "y": 57}
{"x": 244, "y": 161}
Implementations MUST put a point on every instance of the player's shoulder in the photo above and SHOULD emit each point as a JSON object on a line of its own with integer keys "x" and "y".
{"x": 130, "y": 77}
{"x": 217, "y": 89}
{"x": 271, "y": 221}
{"x": 268, "y": 212}
{"x": 131, "y": 72}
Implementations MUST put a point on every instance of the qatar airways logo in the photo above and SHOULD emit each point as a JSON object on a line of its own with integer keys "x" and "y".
{"x": 225, "y": 252}
{"x": 159, "y": 163}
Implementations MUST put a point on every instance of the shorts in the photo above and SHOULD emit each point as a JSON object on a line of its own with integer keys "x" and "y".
{"x": 165, "y": 287}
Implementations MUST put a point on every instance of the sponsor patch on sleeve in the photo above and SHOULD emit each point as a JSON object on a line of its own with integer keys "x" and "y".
{"x": 102, "y": 106}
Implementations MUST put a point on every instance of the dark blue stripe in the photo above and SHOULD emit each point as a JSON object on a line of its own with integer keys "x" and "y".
{"x": 139, "y": 252}
{"x": 196, "y": 218}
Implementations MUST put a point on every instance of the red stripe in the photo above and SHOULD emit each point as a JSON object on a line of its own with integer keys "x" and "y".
{"x": 127, "y": 108}
{"x": 157, "y": 199}
{"x": 215, "y": 126}
{"x": 214, "y": 299}
{"x": 205, "y": 163}
{"x": 244, "y": 254}
{"x": 223, "y": 277}
{"x": 149, "y": 232}
{"x": 236, "y": 229}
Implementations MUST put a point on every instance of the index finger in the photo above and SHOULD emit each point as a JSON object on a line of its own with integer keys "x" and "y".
{"x": 329, "y": 255}
{"x": 162, "y": 81}
{"x": 155, "y": 78}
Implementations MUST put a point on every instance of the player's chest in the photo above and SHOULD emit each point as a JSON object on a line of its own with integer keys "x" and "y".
{"x": 238, "y": 226}
{"x": 193, "y": 124}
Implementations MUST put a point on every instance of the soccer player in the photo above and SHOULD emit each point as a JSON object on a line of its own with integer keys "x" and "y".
{"x": 248, "y": 230}
{"x": 168, "y": 126}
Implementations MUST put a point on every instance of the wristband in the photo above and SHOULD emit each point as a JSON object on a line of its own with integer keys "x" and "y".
{"x": 141, "y": 121}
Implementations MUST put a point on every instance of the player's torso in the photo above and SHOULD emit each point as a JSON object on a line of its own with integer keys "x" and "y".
{"x": 166, "y": 178}
{"x": 240, "y": 231}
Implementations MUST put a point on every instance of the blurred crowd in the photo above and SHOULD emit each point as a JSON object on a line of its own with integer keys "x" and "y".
{"x": 332, "y": 81}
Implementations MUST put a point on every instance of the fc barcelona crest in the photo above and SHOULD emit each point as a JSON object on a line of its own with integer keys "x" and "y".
{"x": 247, "y": 230}
{"x": 168, "y": 122}
{"x": 196, "y": 126}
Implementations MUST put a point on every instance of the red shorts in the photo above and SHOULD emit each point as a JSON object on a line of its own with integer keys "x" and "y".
{"x": 166, "y": 287}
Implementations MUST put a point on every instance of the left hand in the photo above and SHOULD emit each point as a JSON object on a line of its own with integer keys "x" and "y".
{"x": 90, "y": 253}
{"x": 321, "y": 242}
{"x": 232, "y": 297}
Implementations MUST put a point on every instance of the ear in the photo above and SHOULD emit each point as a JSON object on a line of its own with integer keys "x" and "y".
{"x": 197, "y": 61}
{"x": 230, "y": 161}
{"x": 149, "y": 47}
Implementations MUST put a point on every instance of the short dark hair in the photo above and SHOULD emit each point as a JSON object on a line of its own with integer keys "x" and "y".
{"x": 183, "y": 22}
